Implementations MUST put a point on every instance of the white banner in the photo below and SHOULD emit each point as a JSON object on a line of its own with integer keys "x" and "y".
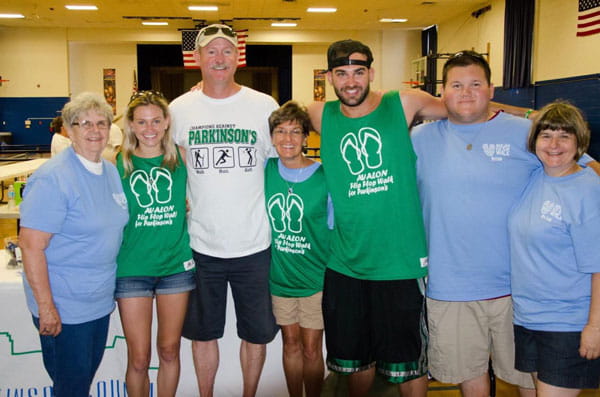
{"x": 22, "y": 372}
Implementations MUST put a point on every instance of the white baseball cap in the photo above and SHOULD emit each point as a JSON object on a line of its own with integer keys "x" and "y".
{"x": 215, "y": 31}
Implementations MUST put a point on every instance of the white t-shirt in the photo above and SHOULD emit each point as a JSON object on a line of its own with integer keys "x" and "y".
{"x": 226, "y": 142}
{"x": 115, "y": 138}
{"x": 58, "y": 144}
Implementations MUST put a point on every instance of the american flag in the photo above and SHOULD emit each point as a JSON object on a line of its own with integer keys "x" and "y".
{"x": 188, "y": 42}
{"x": 588, "y": 18}
{"x": 242, "y": 35}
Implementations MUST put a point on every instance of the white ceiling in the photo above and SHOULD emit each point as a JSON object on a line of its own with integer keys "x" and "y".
{"x": 241, "y": 14}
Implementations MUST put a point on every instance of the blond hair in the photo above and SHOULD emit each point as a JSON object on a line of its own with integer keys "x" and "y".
{"x": 130, "y": 141}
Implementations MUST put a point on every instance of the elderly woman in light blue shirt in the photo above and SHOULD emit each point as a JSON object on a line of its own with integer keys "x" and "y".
{"x": 72, "y": 218}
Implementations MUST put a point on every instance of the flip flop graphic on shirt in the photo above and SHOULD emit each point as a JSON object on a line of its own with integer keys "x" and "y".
{"x": 351, "y": 153}
{"x": 370, "y": 142}
{"x": 295, "y": 212}
{"x": 161, "y": 184}
{"x": 141, "y": 188}
{"x": 276, "y": 211}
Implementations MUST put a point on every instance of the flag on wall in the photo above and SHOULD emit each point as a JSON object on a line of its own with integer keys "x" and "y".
{"x": 188, "y": 42}
{"x": 134, "y": 89}
{"x": 588, "y": 18}
{"x": 242, "y": 35}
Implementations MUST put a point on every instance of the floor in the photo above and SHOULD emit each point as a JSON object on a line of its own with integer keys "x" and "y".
{"x": 335, "y": 386}
{"x": 8, "y": 228}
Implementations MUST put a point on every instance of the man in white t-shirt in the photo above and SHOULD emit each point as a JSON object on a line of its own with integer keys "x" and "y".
{"x": 223, "y": 133}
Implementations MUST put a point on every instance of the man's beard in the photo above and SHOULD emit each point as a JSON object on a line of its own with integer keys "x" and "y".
{"x": 356, "y": 102}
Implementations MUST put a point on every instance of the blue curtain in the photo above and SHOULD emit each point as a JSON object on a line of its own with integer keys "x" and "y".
{"x": 429, "y": 47}
{"x": 518, "y": 40}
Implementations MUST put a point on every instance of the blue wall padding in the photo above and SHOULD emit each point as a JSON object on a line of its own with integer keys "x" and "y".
{"x": 581, "y": 91}
{"x": 14, "y": 112}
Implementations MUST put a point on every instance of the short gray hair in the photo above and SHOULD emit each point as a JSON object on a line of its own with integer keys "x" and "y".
{"x": 83, "y": 103}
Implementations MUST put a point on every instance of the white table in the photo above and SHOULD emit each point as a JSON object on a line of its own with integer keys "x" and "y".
{"x": 20, "y": 168}
{"x": 21, "y": 368}
{"x": 6, "y": 213}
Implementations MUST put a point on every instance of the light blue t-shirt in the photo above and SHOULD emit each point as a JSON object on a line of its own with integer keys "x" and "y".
{"x": 86, "y": 214}
{"x": 466, "y": 197}
{"x": 555, "y": 248}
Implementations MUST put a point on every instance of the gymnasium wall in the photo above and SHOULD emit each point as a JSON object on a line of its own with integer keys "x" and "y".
{"x": 582, "y": 91}
{"x": 59, "y": 62}
{"x": 564, "y": 65}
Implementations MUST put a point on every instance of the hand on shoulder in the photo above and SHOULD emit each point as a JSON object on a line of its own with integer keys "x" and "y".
{"x": 197, "y": 86}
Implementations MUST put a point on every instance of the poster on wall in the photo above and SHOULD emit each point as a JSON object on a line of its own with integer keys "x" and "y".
{"x": 110, "y": 89}
{"x": 319, "y": 85}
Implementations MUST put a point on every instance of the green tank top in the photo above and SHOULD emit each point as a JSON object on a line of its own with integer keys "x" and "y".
{"x": 297, "y": 213}
{"x": 370, "y": 168}
{"x": 155, "y": 241}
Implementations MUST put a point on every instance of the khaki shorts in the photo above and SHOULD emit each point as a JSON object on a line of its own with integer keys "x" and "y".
{"x": 305, "y": 311}
{"x": 463, "y": 336}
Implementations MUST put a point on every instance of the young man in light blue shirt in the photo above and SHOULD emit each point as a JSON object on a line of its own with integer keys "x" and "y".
{"x": 471, "y": 168}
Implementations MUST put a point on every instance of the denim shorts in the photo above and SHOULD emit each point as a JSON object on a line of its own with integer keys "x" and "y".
{"x": 555, "y": 357}
{"x": 145, "y": 286}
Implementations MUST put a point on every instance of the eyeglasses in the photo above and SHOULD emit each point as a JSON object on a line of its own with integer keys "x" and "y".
{"x": 89, "y": 125}
{"x": 283, "y": 131}
{"x": 212, "y": 30}
{"x": 146, "y": 94}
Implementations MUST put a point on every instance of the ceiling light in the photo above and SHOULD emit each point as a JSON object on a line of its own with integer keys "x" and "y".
{"x": 203, "y": 8}
{"x": 81, "y": 8}
{"x": 149, "y": 23}
{"x": 393, "y": 20}
{"x": 12, "y": 16}
{"x": 284, "y": 24}
{"x": 317, "y": 9}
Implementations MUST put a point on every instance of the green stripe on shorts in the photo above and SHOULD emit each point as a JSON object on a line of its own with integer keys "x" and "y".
{"x": 402, "y": 372}
{"x": 347, "y": 366}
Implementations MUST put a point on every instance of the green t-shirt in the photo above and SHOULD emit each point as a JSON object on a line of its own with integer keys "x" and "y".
{"x": 297, "y": 212}
{"x": 155, "y": 241}
{"x": 370, "y": 168}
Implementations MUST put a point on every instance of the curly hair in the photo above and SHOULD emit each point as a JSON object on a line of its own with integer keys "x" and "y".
{"x": 291, "y": 111}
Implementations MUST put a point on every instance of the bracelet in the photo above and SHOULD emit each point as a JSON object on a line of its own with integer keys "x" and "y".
{"x": 527, "y": 113}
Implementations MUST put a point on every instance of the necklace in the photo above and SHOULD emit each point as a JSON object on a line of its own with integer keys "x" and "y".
{"x": 470, "y": 139}
{"x": 473, "y": 136}
{"x": 296, "y": 180}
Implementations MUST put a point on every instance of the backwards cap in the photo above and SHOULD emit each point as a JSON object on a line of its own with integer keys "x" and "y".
{"x": 339, "y": 53}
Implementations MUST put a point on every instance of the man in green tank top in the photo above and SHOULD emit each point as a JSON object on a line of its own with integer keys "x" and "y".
{"x": 373, "y": 294}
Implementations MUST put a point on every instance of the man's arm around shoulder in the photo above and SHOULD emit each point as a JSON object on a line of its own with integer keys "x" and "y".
{"x": 594, "y": 165}
{"x": 420, "y": 105}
